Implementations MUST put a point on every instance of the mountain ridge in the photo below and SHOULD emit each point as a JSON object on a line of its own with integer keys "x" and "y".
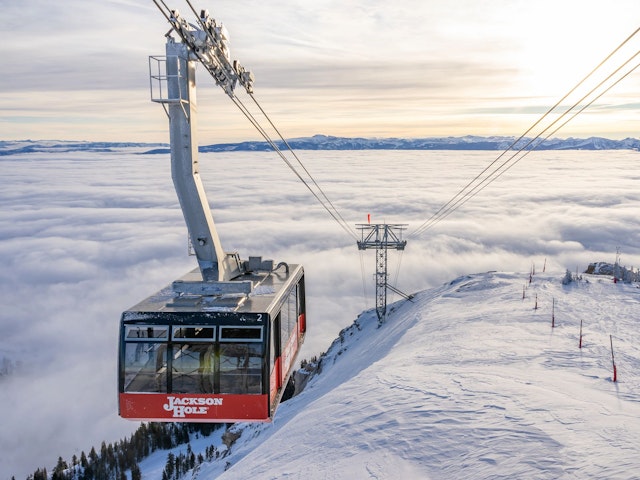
{"x": 328, "y": 142}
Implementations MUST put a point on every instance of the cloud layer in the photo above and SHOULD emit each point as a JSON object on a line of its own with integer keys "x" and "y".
{"x": 85, "y": 236}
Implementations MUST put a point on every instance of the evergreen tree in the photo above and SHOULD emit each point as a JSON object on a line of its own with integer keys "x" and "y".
{"x": 40, "y": 474}
{"x": 93, "y": 456}
{"x": 83, "y": 460}
{"x": 115, "y": 459}
{"x": 111, "y": 458}
{"x": 58, "y": 471}
{"x": 169, "y": 467}
{"x": 178, "y": 465}
{"x": 135, "y": 472}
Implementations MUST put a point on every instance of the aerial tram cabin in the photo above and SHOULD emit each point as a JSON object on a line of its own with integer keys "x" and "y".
{"x": 194, "y": 358}
{"x": 219, "y": 344}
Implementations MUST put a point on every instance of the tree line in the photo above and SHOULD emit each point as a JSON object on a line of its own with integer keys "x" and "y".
{"x": 114, "y": 459}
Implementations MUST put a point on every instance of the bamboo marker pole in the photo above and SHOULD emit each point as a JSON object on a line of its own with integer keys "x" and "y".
{"x": 613, "y": 361}
{"x": 580, "y": 344}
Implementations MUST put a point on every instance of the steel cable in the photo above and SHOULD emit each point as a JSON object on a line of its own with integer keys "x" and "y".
{"x": 459, "y": 197}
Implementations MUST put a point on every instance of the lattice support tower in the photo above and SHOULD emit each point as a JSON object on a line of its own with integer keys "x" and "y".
{"x": 381, "y": 237}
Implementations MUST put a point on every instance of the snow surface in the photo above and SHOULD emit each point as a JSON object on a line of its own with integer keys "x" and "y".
{"x": 469, "y": 380}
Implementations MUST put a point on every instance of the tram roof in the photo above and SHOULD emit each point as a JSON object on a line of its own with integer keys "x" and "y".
{"x": 269, "y": 287}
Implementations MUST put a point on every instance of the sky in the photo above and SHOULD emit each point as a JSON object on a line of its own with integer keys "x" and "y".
{"x": 86, "y": 235}
{"x": 76, "y": 70}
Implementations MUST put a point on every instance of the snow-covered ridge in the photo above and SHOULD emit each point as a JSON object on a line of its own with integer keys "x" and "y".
{"x": 469, "y": 380}
{"x": 327, "y": 142}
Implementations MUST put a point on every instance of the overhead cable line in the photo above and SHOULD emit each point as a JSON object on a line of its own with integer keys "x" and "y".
{"x": 331, "y": 209}
{"x": 342, "y": 221}
{"x": 319, "y": 193}
{"x": 226, "y": 74}
{"x": 326, "y": 203}
{"x": 364, "y": 282}
{"x": 510, "y": 162}
{"x": 566, "y": 121}
{"x": 466, "y": 192}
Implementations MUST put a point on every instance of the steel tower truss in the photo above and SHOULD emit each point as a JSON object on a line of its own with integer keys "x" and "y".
{"x": 382, "y": 237}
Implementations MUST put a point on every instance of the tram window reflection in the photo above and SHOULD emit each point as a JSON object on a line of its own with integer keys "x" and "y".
{"x": 194, "y": 333}
{"x": 192, "y": 368}
{"x": 146, "y": 332}
{"x": 145, "y": 367}
{"x": 241, "y": 367}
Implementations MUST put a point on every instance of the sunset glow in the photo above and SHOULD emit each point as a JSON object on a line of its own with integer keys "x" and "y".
{"x": 411, "y": 69}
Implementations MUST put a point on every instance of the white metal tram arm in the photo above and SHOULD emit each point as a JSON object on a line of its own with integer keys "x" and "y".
{"x": 215, "y": 265}
{"x": 206, "y": 43}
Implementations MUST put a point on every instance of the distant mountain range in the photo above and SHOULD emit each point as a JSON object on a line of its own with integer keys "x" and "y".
{"x": 327, "y": 142}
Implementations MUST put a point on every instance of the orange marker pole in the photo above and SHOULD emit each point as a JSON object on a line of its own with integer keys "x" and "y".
{"x": 580, "y": 343}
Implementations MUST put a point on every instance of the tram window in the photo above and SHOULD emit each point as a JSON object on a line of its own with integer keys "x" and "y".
{"x": 194, "y": 333}
{"x": 249, "y": 334}
{"x": 299, "y": 294}
{"x": 241, "y": 367}
{"x": 145, "y": 367}
{"x": 145, "y": 333}
{"x": 273, "y": 344}
{"x": 192, "y": 368}
{"x": 284, "y": 329}
{"x": 288, "y": 317}
{"x": 293, "y": 305}
{"x": 284, "y": 324}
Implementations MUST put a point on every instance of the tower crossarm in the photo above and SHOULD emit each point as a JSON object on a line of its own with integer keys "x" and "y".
{"x": 381, "y": 235}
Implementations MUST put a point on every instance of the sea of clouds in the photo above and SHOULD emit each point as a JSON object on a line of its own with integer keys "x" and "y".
{"x": 84, "y": 236}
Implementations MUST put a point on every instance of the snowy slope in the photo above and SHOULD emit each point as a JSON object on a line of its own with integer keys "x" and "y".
{"x": 467, "y": 381}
